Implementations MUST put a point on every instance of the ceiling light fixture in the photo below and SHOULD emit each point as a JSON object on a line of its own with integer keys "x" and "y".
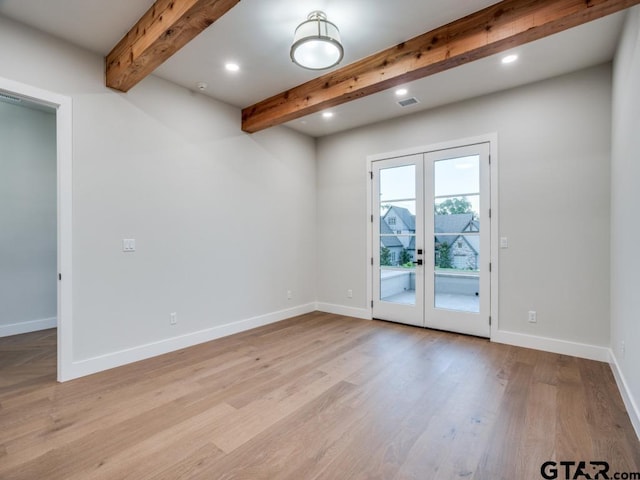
{"x": 316, "y": 43}
{"x": 327, "y": 114}
{"x": 510, "y": 58}
{"x": 232, "y": 67}
{"x": 401, "y": 91}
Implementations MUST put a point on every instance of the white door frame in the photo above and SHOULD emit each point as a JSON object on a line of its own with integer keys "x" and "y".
{"x": 411, "y": 313}
{"x": 492, "y": 139}
{"x": 63, "y": 106}
{"x": 474, "y": 323}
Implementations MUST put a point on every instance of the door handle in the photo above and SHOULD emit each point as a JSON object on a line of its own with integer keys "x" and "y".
{"x": 418, "y": 262}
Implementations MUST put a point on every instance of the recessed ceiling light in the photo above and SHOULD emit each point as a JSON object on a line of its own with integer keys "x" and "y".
{"x": 232, "y": 67}
{"x": 510, "y": 58}
{"x": 401, "y": 91}
{"x": 327, "y": 114}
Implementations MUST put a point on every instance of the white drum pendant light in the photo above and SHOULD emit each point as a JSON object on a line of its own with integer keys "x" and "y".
{"x": 316, "y": 43}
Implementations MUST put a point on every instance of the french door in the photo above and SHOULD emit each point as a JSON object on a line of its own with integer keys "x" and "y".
{"x": 431, "y": 239}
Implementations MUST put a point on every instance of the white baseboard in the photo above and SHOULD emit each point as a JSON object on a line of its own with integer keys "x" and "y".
{"x": 29, "y": 326}
{"x": 564, "y": 347}
{"x": 104, "y": 362}
{"x": 625, "y": 392}
{"x": 363, "y": 313}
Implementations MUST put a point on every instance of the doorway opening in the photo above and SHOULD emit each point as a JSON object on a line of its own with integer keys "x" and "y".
{"x": 54, "y": 220}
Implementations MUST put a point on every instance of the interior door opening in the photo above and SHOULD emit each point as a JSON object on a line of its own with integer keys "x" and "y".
{"x": 28, "y": 243}
{"x": 62, "y": 106}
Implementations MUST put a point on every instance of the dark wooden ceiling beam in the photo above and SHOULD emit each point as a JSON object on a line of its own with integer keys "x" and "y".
{"x": 166, "y": 27}
{"x": 497, "y": 28}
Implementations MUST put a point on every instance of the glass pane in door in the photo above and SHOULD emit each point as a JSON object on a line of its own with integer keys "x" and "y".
{"x": 457, "y": 176}
{"x": 398, "y": 183}
{"x": 456, "y": 234}
{"x": 397, "y": 279}
{"x": 398, "y": 234}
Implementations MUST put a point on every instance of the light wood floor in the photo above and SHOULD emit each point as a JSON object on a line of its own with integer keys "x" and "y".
{"x": 318, "y": 396}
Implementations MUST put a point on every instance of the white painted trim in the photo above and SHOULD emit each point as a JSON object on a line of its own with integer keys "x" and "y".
{"x": 494, "y": 241}
{"x": 434, "y": 147}
{"x": 111, "y": 360}
{"x": 369, "y": 202}
{"x": 625, "y": 392}
{"x": 64, "y": 142}
{"x": 64, "y": 123}
{"x": 492, "y": 138}
{"x": 553, "y": 345}
{"x": 28, "y": 326}
{"x": 364, "y": 313}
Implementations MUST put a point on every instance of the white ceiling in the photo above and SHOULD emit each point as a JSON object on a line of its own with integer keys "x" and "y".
{"x": 257, "y": 34}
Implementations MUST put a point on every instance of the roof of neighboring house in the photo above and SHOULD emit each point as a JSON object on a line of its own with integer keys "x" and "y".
{"x": 388, "y": 241}
{"x": 445, "y": 239}
{"x": 458, "y": 222}
{"x": 453, "y": 223}
{"x": 472, "y": 240}
{"x": 404, "y": 215}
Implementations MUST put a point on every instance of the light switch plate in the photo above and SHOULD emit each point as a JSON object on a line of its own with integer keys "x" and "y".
{"x": 128, "y": 244}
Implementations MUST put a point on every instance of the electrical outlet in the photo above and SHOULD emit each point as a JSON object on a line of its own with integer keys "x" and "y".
{"x": 173, "y": 318}
{"x": 533, "y": 318}
{"x": 504, "y": 242}
{"x": 349, "y": 293}
{"x": 289, "y": 295}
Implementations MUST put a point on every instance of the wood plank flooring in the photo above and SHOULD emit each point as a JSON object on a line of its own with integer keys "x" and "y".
{"x": 315, "y": 397}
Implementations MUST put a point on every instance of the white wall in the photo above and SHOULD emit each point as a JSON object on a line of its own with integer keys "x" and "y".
{"x": 625, "y": 199}
{"x": 27, "y": 219}
{"x": 554, "y": 159}
{"x": 224, "y": 221}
